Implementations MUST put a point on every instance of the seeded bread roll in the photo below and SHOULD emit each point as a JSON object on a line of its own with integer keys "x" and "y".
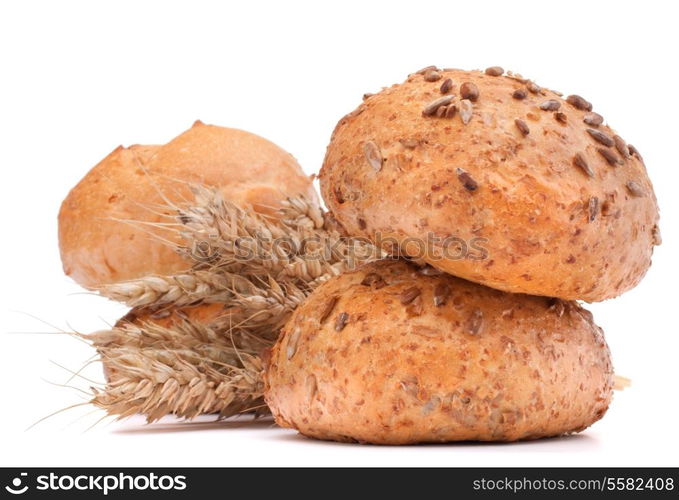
{"x": 389, "y": 355}
{"x": 491, "y": 178}
{"x": 105, "y": 234}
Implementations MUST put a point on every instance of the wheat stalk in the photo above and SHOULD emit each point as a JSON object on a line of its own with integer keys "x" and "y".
{"x": 187, "y": 370}
{"x": 186, "y": 334}
{"x": 179, "y": 290}
{"x": 156, "y": 384}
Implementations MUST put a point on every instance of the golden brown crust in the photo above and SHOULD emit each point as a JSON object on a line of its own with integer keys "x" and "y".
{"x": 130, "y": 183}
{"x": 515, "y": 180}
{"x": 168, "y": 317}
{"x": 371, "y": 357}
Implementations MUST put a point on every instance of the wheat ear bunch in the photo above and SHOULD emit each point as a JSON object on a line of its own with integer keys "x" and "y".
{"x": 230, "y": 246}
{"x": 259, "y": 267}
{"x": 187, "y": 370}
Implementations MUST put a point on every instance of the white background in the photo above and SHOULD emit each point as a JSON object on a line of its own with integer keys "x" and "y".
{"x": 79, "y": 78}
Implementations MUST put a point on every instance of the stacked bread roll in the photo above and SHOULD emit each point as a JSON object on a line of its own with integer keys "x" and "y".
{"x": 392, "y": 355}
{"x": 488, "y": 177}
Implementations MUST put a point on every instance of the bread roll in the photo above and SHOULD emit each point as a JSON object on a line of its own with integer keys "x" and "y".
{"x": 130, "y": 184}
{"x": 496, "y": 180}
{"x": 389, "y": 355}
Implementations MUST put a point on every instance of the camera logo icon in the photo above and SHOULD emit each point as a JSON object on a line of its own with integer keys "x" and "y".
{"x": 15, "y": 488}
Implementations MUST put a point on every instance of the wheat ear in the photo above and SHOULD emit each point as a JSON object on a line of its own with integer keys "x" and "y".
{"x": 188, "y": 370}
{"x": 179, "y": 290}
{"x": 300, "y": 243}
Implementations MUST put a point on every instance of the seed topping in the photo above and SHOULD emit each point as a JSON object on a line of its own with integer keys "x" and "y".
{"x": 580, "y": 162}
{"x": 494, "y": 71}
{"x": 550, "y": 105}
{"x": 634, "y": 189}
{"x": 431, "y": 108}
{"x": 593, "y": 119}
{"x": 292, "y": 343}
{"x": 409, "y": 295}
{"x": 474, "y": 323}
{"x": 374, "y": 280}
{"x": 593, "y": 208}
{"x": 466, "y": 110}
{"x": 466, "y": 180}
{"x": 328, "y": 309}
{"x": 621, "y": 146}
{"x": 446, "y": 86}
{"x": 610, "y": 157}
{"x": 432, "y": 75}
{"x": 469, "y": 91}
{"x": 446, "y": 111}
{"x": 373, "y": 155}
{"x": 561, "y": 117}
{"x": 451, "y": 109}
{"x": 523, "y": 128}
{"x": 579, "y": 102}
{"x": 341, "y": 321}
{"x": 533, "y": 87}
{"x": 519, "y": 94}
{"x": 600, "y": 137}
{"x": 634, "y": 152}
